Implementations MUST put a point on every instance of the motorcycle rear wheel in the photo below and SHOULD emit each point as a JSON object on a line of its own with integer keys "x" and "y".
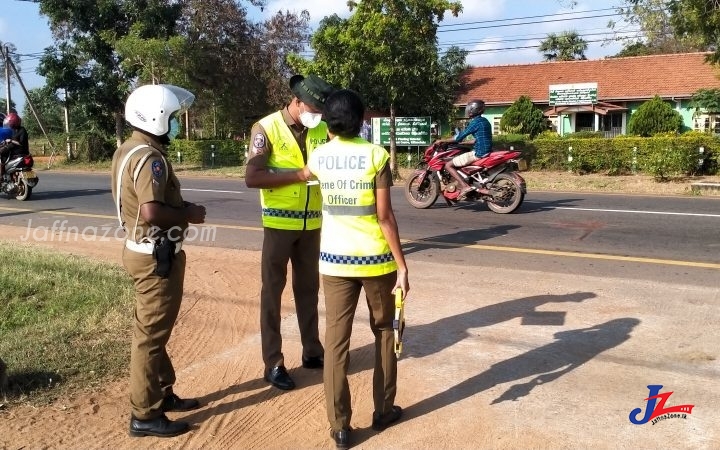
{"x": 509, "y": 195}
{"x": 24, "y": 191}
{"x": 422, "y": 196}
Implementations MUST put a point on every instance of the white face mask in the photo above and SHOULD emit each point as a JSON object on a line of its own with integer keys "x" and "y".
{"x": 310, "y": 120}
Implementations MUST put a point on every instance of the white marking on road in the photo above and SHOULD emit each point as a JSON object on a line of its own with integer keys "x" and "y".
{"x": 212, "y": 190}
{"x": 631, "y": 211}
{"x": 433, "y": 242}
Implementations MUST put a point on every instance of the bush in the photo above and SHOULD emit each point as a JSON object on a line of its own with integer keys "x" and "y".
{"x": 524, "y": 118}
{"x": 585, "y": 135}
{"x": 653, "y": 117}
{"x": 226, "y": 152}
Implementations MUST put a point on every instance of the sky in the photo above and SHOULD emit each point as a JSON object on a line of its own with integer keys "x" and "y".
{"x": 495, "y": 32}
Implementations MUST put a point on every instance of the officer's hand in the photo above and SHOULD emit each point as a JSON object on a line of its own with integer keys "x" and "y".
{"x": 195, "y": 213}
{"x": 305, "y": 174}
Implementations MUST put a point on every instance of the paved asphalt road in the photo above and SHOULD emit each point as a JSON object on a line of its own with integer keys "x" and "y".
{"x": 642, "y": 237}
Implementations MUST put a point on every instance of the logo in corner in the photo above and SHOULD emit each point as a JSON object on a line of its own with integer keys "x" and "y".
{"x": 656, "y": 409}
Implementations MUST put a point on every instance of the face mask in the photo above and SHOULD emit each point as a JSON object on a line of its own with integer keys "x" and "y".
{"x": 174, "y": 128}
{"x": 310, "y": 120}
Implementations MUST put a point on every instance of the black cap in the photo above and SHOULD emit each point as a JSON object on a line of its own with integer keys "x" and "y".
{"x": 311, "y": 89}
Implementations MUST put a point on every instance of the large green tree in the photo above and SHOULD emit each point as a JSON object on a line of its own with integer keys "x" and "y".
{"x": 85, "y": 64}
{"x": 387, "y": 51}
{"x": 566, "y": 46}
{"x": 8, "y": 49}
{"x": 699, "y": 20}
{"x": 658, "y": 32}
{"x": 49, "y": 109}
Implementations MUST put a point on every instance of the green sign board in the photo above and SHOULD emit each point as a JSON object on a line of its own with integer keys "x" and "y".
{"x": 408, "y": 131}
{"x": 573, "y": 94}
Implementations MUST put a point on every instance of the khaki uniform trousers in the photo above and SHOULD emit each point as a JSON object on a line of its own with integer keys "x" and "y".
{"x": 302, "y": 249}
{"x": 341, "y": 299}
{"x": 157, "y": 303}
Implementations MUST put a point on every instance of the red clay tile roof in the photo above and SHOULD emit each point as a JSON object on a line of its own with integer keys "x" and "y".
{"x": 639, "y": 77}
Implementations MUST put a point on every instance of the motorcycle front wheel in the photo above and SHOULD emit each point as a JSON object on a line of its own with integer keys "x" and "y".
{"x": 422, "y": 195}
{"x": 23, "y": 190}
{"x": 508, "y": 195}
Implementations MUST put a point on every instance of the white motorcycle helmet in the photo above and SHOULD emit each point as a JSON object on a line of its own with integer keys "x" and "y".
{"x": 150, "y": 107}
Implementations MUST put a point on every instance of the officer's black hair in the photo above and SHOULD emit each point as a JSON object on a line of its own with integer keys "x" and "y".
{"x": 343, "y": 113}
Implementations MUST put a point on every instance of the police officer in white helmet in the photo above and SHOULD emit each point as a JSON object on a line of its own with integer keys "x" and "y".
{"x": 155, "y": 216}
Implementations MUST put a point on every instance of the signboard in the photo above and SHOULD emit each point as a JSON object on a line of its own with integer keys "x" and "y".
{"x": 409, "y": 131}
{"x": 573, "y": 94}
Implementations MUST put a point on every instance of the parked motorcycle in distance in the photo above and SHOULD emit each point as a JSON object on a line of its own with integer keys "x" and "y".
{"x": 19, "y": 178}
{"x": 497, "y": 172}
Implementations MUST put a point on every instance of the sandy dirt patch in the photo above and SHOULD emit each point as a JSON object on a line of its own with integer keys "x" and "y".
{"x": 524, "y": 360}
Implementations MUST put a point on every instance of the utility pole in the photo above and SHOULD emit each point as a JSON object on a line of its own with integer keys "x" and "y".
{"x": 29, "y": 101}
{"x": 6, "y": 56}
{"x": 67, "y": 126}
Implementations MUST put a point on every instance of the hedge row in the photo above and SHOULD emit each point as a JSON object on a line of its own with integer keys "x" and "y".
{"x": 208, "y": 153}
{"x": 662, "y": 156}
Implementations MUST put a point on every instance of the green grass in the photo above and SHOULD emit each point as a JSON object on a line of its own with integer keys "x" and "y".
{"x": 64, "y": 322}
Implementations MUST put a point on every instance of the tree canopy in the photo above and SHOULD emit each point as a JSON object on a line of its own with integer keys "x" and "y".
{"x": 387, "y": 51}
{"x": 699, "y": 20}
{"x": 104, "y": 48}
{"x": 659, "y": 31}
{"x": 85, "y": 64}
{"x": 566, "y": 46}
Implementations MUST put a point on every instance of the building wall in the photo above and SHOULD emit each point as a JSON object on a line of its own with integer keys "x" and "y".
{"x": 566, "y": 122}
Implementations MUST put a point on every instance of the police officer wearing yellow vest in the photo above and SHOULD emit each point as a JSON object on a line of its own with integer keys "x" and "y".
{"x": 360, "y": 248}
{"x": 291, "y": 217}
{"x": 152, "y": 211}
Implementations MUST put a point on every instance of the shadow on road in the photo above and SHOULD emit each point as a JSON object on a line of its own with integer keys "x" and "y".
{"x": 427, "y": 339}
{"x": 55, "y": 195}
{"x": 206, "y": 413}
{"x": 458, "y": 239}
{"x": 532, "y": 206}
{"x": 572, "y": 349}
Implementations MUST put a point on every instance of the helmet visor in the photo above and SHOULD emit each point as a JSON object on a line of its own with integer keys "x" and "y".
{"x": 185, "y": 97}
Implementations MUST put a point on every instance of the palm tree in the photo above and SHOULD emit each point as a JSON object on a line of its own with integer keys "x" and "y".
{"x": 566, "y": 46}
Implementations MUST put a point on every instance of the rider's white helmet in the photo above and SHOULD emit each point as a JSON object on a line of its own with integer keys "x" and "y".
{"x": 150, "y": 107}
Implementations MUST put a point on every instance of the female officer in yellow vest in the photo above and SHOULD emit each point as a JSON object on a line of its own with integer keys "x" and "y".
{"x": 151, "y": 208}
{"x": 291, "y": 217}
{"x": 359, "y": 248}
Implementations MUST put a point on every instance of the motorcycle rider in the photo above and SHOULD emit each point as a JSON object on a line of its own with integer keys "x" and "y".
{"x": 17, "y": 144}
{"x": 20, "y": 134}
{"x": 480, "y": 128}
{"x": 9, "y": 148}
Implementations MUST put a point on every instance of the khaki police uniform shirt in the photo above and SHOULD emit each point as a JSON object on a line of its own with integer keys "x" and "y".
{"x": 156, "y": 182}
{"x": 262, "y": 147}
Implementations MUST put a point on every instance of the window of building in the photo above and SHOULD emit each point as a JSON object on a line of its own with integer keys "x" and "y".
{"x": 496, "y": 125}
{"x": 553, "y": 123}
{"x": 585, "y": 122}
{"x": 707, "y": 123}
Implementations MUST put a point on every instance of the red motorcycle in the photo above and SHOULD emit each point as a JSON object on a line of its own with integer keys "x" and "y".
{"x": 497, "y": 172}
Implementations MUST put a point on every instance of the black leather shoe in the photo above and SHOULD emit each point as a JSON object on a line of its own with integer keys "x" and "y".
{"x": 174, "y": 403}
{"x": 313, "y": 362}
{"x": 382, "y": 421}
{"x": 279, "y": 378}
{"x": 159, "y": 427}
{"x": 341, "y": 438}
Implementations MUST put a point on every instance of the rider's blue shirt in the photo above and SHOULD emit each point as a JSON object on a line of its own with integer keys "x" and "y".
{"x": 480, "y": 128}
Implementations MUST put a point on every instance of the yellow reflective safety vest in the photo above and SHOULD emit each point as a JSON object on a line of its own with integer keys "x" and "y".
{"x": 352, "y": 243}
{"x": 296, "y": 206}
